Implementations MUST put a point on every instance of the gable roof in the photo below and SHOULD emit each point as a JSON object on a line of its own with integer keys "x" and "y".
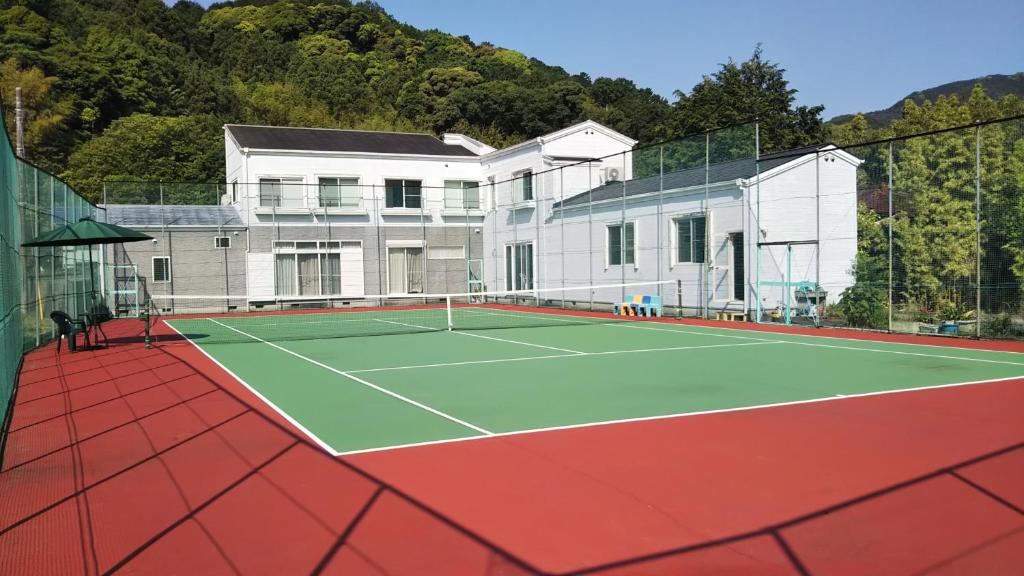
{"x": 331, "y": 140}
{"x": 145, "y": 215}
{"x": 721, "y": 172}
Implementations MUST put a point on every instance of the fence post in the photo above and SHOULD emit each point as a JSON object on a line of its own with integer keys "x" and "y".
{"x": 708, "y": 283}
{"x": 757, "y": 218}
{"x": 889, "y": 321}
{"x": 977, "y": 226}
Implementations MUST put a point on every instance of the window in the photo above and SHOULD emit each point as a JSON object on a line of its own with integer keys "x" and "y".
{"x": 524, "y": 186}
{"x": 222, "y": 241}
{"x": 622, "y": 244}
{"x": 461, "y": 194}
{"x": 405, "y": 270}
{"x": 307, "y": 268}
{"x": 690, "y": 239}
{"x": 519, "y": 266}
{"x": 339, "y": 193}
{"x": 281, "y": 193}
{"x": 403, "y": 193}
{"x": 161, "y": 269}
{"x": 234, "y": 191}
{"x": 446, "y": 253}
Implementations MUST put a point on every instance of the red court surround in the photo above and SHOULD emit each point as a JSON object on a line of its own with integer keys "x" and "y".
{"x": 154, "y": 461}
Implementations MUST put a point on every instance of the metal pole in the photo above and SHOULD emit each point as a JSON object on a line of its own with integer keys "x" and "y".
{"x": 679, "y": 298}
{"x": 538, "y": 201}
{"x": 661, "y": 190}
{"x": 709, "y": 284}
{"x": 889, "y": 326}
{"x": 977, "y": 226}
{"x": 590, "y": 230}
{"x": 19, "y": 121}
{"x": 35, "y": 253}
{"x": 622, "y": 232}
{"x": 757, "y": 217}
{"x": 561, "y": 226}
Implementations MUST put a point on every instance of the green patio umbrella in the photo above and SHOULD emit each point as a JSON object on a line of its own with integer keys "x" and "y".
{"x": 86, "y": 232}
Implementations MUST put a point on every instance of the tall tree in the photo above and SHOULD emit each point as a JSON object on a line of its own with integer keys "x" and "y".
{"x": 739, "y": 93}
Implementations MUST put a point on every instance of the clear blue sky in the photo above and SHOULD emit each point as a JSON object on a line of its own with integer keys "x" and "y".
{"x": 849, "y": 56}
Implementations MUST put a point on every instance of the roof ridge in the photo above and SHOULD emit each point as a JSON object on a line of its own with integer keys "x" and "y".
{"x": 336, "y": 130}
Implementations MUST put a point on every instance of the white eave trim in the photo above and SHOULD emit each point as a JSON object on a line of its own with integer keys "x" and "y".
{"x": 690, "y": 190}
{"x": 359, "y": 155}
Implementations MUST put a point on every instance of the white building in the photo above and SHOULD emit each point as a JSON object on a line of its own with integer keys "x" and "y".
{"x": 388, "y": 202}
{"x": 791, "y": 218}
{"x": 343, "y": 214}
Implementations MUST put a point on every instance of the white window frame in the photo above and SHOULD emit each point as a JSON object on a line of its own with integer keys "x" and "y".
{"x": 283, "y": 180}
{"x": 608, "y": 244}
{"x": 460, "y": 247}
{"x": 217, "y": 239}
{"x": 358, "y": 185}
{"x": 675, "y": 237}
{"x": 733, "y": 249}
{"x": 510, "y": 284}
{"x": 519, "y": 180}
{"x": 234, "y": 191}
{"x": 322, "y": 247}
{"x": 462, "y": 194}
{"x": 168, "y": 268}
{"x": 404, "y": 179}
{"x": 387, "y": 264}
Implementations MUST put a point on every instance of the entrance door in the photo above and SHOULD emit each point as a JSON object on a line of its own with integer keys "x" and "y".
{"x": 475, "y": 269}
{"x": 519, "y": 266}
{"x": 736, "y": 246}
{"x": 405, "y": 270}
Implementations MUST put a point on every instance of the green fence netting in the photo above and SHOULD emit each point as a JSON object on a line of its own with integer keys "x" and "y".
{"x": 35, "y": 281}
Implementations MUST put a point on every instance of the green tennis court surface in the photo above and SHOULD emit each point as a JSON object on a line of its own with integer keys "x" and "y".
{"x": 399, "y": 377}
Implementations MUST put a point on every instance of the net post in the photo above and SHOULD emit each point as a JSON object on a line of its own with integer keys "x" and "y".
{"x": 145, "y": 316}
{"x": 448, "y": 308}
{"x": 679, "y": 298}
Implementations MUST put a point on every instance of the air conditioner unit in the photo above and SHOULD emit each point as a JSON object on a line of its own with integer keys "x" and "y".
{"x": 612, "y": 174}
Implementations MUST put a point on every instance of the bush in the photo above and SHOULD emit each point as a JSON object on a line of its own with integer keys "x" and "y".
{"x": 864, "y": 306}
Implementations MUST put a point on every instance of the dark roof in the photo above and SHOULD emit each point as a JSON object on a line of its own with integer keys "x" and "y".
{"x": 172, "y": 215}
{"x": 721, "y": 172}
{"x": 327, "y": 140}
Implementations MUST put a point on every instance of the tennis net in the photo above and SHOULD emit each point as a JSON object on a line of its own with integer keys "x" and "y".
{"x": 231, "y": 319}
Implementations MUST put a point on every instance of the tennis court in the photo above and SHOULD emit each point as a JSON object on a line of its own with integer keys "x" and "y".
{"x": 376, "y": 379}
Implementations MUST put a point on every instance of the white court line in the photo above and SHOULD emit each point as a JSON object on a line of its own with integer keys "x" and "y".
{"x": 578, "y": 355}
{"x": 319, "y": 442}
{"x": 485, "y": 337}
{"x": 682, "y": 415}
{"x": 395, "y": 395}
{"x": 629, "y": 324}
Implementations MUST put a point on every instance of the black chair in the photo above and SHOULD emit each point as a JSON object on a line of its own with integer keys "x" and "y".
{"x": 96, "y": 317}
{"x": 69, "y": 328}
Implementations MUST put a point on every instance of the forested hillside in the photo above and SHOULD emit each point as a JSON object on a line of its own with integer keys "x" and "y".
{"x": 995, "y": 85}
{"x": 137, "y": 90}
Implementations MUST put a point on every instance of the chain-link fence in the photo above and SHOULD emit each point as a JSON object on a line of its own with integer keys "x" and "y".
{"x": 919, "y": 234}
{"x": 36, "y": 281}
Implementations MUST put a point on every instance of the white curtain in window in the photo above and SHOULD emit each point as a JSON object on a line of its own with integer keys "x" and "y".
{"x": 309, "y": 277}
{"x": 414, "y": 268}
{"x": 330, "y": 273}
{"x": 396, "y": 270}
{"x": 284, "y": 275}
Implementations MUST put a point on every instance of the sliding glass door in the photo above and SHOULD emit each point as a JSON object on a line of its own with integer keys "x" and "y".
{"x": 405, "y": 270}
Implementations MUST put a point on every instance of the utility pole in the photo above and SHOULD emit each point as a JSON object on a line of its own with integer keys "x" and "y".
{"x": 19, "y": 121}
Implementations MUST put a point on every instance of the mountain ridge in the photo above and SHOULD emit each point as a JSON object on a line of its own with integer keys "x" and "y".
{"x": 995, "y": 85}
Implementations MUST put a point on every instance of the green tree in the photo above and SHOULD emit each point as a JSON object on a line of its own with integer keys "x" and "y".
{"x": 739, "y": 93}
{"x": 145, "y": 147}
